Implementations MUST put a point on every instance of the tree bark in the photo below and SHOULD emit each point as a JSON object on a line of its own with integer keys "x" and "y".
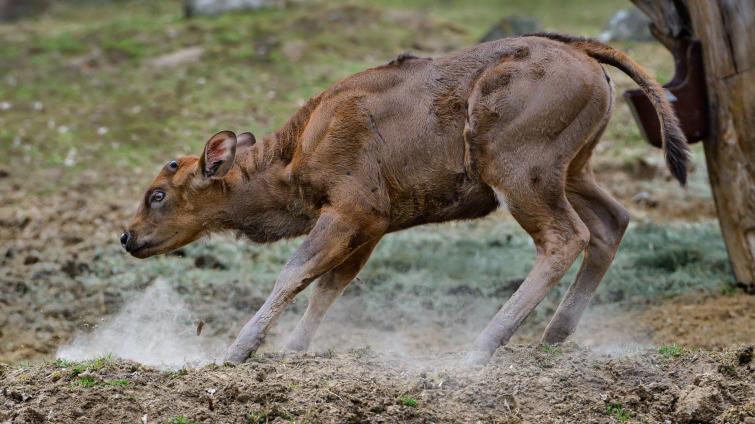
{"x": 725, "y": 29}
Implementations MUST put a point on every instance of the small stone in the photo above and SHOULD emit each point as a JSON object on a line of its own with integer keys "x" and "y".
{"x": 293, "y": 50}
{"x": 209, "y": 262}
{"x": 31, "y": 415}
{"x": 73, "y": 269}
{"x": 511, "y": 26}
{"x": 12, "y": 10}
{"x": 176, "y": 58}
{"x": 644, "y": 198}
{"x": 699, "y": 403}
{"x": 216, "y": 7}
{"x": 744, "y": 355}
{"x": 627, "y": 25}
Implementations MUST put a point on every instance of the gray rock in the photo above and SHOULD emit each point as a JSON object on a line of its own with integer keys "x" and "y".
{"x": 511, "y": 26}
{"x": 207, "y": 261}
{"x": 11, "y": 10}
{"x": 627, "y": 25}
{"x": 216, "y": 7}
{"x": 178, "y": 57}
{"x": 701, "y": 402}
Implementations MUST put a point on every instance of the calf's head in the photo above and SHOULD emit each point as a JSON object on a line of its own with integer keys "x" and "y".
{"x": 185, "y": 200}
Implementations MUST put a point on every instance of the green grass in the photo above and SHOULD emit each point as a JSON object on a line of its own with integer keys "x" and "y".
{"x": 274, "y": 414}
{"x": 86, "y": 381}
{"x": 731, "y": 289}
{"x": 618, "y": 412}
{"x": 80, "y": 367}
{"x": 93, "y": 365}
{"x": 551, "y": 349}
{"x": 671, "y": 351}
{"x": 176, "y": 373}
{"x": 86, "y": 66}
{"x": 409, "y": 401}
{"x": 256, "y": 418}
{"x": 182, "y": 420}
{"x": 63, "y": 363}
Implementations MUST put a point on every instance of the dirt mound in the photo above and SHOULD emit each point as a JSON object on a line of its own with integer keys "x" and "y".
{"x": 521, "y": 384}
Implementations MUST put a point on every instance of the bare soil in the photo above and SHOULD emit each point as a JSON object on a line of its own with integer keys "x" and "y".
{"x": 700, "y": 320}
{"x": 521, "y": 384}
{"x": 697, "y": 320}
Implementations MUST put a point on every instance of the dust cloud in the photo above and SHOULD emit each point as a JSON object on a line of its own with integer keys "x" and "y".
{"x": 154, "y": 328}
{"x": 157, "y": 328}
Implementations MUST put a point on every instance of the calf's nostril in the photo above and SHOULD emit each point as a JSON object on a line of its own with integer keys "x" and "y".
{"x": 124, "y": 239}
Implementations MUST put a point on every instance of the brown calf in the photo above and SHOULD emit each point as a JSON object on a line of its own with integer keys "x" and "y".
{"x": 418, "y": 140}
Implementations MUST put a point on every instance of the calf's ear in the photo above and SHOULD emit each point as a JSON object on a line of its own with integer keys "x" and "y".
{"x": 218, "y": 155}
{"x": 245, "y": 140}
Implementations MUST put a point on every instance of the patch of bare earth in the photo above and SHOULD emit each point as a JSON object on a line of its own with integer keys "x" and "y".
{"x": 521, "y": 384}
{"x": 696, "y": 320}
{"x": 704, "y": 321}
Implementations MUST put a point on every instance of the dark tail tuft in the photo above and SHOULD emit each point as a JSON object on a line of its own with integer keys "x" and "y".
{"x": 676, "y": 148}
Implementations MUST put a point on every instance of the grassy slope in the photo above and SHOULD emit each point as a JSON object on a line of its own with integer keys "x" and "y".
{"x": 255, "y": 68}
{"x": 83, "y": 96}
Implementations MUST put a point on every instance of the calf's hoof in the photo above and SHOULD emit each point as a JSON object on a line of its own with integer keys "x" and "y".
{"x": 477, "y": 358}
{"x": 295, "y": 346}
{"x": 556, "y": 334}
{"x": 236, "y": 356}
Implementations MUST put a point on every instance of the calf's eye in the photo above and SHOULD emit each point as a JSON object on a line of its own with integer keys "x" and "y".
{"x": 157, "y": 196}
{"x": 173, "y": 165}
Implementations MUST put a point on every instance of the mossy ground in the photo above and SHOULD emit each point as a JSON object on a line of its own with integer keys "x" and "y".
{"x": 76, "y": 70}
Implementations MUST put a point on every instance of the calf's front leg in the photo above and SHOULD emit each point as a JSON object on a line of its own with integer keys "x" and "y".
{"x": 327, "y": 289}
{"x": 333, "y": 239}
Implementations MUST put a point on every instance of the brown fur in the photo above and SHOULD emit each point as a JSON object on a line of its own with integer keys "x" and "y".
{"x": 412, "y": 142}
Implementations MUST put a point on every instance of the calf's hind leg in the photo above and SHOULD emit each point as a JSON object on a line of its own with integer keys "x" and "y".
{"x": 526, "y": 158}
{"x": 607, "y": 220}
{"x": 559, "y": 237}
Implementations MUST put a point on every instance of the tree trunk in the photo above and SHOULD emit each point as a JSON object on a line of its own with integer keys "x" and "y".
{"x": 725, "y": 29}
